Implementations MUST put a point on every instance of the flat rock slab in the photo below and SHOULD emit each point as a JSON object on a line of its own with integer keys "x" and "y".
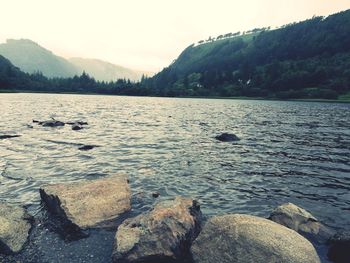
{"x": 249, "y": 239}
{"x": 164, "y": 234}
{"x": 15, "y": 224}
{"x": 88, "y": 204}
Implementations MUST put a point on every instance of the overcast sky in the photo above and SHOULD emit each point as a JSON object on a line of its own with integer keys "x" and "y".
{"x": 144, "y": 34}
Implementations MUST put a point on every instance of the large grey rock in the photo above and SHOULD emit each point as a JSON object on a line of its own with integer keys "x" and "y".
{"x": 250, "y": 239}
{"x": 15, "y": 224}
{"x": 88, "y": 203}
{"x": 161, "y": 235}
{"x": 300, "y": 220}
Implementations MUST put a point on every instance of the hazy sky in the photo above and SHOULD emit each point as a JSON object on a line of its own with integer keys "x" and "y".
{"x": 144, "y": 34}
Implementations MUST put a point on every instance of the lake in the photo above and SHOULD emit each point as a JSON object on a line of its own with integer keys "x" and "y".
{"x": 289, "y": 151}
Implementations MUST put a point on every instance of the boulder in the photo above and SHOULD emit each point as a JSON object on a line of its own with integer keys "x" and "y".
{"x": 339, "y": 250}
{"x": 86, "y": 204}
{"x": 249, "y": 239}
{"x": 15, "y": 224}
{"x": 303, "y": 222}
{"x": 164, "y": 234}
{"x": 227, "y": 137}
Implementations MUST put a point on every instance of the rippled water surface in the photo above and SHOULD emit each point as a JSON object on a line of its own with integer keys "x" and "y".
{"x": 289, "y": 151}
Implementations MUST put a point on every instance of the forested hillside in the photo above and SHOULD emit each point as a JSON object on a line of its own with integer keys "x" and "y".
{"x": 310, "y": 59}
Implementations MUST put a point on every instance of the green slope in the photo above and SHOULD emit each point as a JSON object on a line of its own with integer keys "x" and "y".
{"x": 309, "y": 59}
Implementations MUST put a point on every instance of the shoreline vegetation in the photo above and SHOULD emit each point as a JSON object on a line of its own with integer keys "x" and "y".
{"x": 341, "y": 99}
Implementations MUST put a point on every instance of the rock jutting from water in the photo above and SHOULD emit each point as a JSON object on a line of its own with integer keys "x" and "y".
{"x": 249, "y": 239}
{"x": 81, "y": 123}
{"x": 227, "y": 137}
{"x": 86, "y": 204}
{"x": 50, "y": 123}
{"x": 87, "y": 147}
{"x": 303, "y": 222}
{"x": 163, "y": 234}
{"x": 8, "y": 136}
{"x": 339, "y": 250}
{"x": 76, "y": 127}
{"x": 15, "y": 224}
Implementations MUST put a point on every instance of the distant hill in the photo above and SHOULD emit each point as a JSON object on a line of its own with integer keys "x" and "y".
{"x": 105, "y": 71}
{"x": 309, "y": 59}
{"x": 30, "y": 58}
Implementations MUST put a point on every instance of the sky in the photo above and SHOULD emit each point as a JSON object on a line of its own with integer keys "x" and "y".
{"x": 144, "y": 34}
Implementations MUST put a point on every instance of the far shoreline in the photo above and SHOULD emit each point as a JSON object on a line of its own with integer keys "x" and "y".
{"x": 178, "y": 97}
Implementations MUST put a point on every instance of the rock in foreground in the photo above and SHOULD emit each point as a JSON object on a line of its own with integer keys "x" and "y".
{"x": 227, "y": 137}
{"x": 162, "y": 235}
{"x": 300, "y": 220}
{"x": 250, "y": 239}
{"x": 15, "y": 224}
{"x": 88, "y": 203}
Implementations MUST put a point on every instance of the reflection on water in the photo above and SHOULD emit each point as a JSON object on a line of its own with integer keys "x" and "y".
{"x": 289, "y": 151}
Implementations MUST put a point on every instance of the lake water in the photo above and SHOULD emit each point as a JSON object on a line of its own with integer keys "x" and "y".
{"x": 289, "y": 151}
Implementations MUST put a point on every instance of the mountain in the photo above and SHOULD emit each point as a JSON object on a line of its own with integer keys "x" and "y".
{"x": 30, "y": 58}
{"x": 105, "y": 71}
{"x": 309, "y": 59}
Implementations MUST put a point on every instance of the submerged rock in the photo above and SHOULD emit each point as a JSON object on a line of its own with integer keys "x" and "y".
{"x": 15, "y": 224}
{"x": 162, "y": 235}
{"x": 155, "y": 194}
{"x": 227, "y": 137}
{"x": 87, "y": 204}
{"x": 2, "y": 137}
{"x": 339, "y": 251}
{"x": 250, "y": 239}
{"x": 303, "y": 222}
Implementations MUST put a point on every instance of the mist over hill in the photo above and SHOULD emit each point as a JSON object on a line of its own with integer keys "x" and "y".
{"x": 105, "y": 71}
{"x": 30, "y": 57}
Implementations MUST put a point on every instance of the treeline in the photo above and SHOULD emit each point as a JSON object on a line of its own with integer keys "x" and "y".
{"x": 13, "y": 79}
